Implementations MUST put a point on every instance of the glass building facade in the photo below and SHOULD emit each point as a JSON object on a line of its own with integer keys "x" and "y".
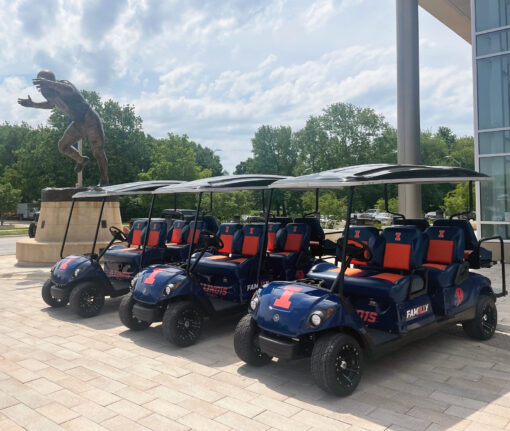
{"x": 491, "y": 49}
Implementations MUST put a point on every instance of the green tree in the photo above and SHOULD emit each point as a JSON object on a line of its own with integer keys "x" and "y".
{"x": 206, "y": 159}
{"x": 447, "y": 136}
{"x": 245, "y": 167}
{"x": 272, "y": 151}
{"x": 39, "y": 164}
{"x": 457, "y": 200}
{"x": 11, "y": 138}
{"x": 346, "y": 135}
{"x": 9, "y": 199}
{"x": 172, "y": 158}
{"x": 392, "y": 205}
{"x": 329, "y": 204}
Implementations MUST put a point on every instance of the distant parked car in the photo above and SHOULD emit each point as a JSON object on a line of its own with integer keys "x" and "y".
{"x": 434, "y": 215}
{"x": 384, "y": 218}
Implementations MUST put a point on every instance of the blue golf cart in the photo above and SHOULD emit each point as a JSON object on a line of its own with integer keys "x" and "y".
{"x": 219, "y": 278}
{"x": 85, "y": 280}
{"x": 391, "y": 287}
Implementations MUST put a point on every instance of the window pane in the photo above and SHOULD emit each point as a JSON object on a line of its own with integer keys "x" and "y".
{"x": 496, "y": 229}
{"x": 493, "y": 92}
{"x": 492, "y": 14}
{"x": 494, "y": 142}
{"x": 492, "y": 43}
{"x": 495, "y": 195}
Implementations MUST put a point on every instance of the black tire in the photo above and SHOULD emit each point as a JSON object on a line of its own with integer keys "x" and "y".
{"x": 126, "y": 315}
{"x": 87, "y": 299}
{"x": 32, "y": 228}
{"x": 244, "y": 337}
{"x": 182, "y": 323}
{"x": 483, "y": 326}
{"x": 336, "y": 363}
{"x": 49, "y": 299}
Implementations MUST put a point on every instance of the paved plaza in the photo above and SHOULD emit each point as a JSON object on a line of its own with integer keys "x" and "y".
{"x": 58, "y": 371}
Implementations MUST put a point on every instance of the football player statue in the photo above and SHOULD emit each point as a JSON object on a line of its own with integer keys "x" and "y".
{"x": 85, "y": 121}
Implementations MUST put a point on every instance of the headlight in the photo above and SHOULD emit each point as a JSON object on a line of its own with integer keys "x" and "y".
{"x": 79, "y": 271}
{"x": 171, "y": 287}
{"x": 316, "y": 319}
{"x": 254, "y": 303}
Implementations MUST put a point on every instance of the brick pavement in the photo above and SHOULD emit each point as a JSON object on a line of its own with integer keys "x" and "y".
{"x": 61, "y": 372}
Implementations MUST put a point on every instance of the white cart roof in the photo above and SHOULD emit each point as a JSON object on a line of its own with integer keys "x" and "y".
{"x": 380, "y": 174}
{"x": 136, "y": 188}
{"x": 227, "y": 183}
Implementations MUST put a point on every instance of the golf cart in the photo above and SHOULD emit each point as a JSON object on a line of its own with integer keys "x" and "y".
{"x": 392, "y": 286}
{"x": 219, "y": 278}
{"x": 83, "y": 280}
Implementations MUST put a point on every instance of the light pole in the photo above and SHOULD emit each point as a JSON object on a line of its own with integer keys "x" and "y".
{"x": 408, "y": 102}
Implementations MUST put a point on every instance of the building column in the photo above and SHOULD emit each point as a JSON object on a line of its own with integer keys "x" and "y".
{"x": 408, "y": 102}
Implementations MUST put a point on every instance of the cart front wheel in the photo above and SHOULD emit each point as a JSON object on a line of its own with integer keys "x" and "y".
{"x": 126, "y": 315}
{"x": 50, "y": 299}
{"x": 336, "y": 364}
{"x": 245, "y": 343}
{"x": 87, "y": 299}
{"x": 182, "y": 323}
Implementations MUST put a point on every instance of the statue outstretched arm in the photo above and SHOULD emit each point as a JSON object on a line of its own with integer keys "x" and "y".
{"x": 58, "y": 86}
{"x": 29, "y": 103}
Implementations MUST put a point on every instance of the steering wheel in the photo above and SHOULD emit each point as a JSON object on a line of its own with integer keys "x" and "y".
{"x": 117, "y": 234}
{"x": 310, "y": 215}
{"x": 356, "y": 250}
{"x": 209, "y": 239}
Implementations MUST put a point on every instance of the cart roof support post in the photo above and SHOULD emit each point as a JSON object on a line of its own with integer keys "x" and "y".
{"x": 97, "y": 227}
{"x": 194, "y": 233}
{"x": 263, "y": 249}
{"x": 470, "y": 185}
{"x": 338, "y": 284}
{"x": 175, "y": 202}
{"x": 210, "y": 203}
{"x": 316, "y": 201}
{"x": 67, "y": 229}
{"x": 146, "y": 239}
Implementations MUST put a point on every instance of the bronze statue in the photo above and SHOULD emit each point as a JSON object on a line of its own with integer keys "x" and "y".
{"x": 85, "y": 121}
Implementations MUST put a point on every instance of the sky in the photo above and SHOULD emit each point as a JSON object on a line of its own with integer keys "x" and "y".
{"x": 218, "y": 70}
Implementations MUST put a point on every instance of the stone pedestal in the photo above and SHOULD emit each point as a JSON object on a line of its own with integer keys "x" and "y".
{"x": 55, "y": 206}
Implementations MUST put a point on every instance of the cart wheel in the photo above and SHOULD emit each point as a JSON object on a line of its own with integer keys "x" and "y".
{"x": 32, "y": 228}
{"x": 87, "y": 299}
{"x": 483, "y": 326}
{"x": 336, "y": 363}
{"x": 126, "y": 315}
{"x": 244, "y": 337}
{"x": 182, "y": 323}
{"x": 49, "y": 299}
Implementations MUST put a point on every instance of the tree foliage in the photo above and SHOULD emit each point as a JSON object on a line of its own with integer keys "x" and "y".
{"x": 9, "y": 199}
{"x": 457, "y": 200}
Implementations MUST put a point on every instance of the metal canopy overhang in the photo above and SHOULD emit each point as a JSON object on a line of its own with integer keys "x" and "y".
{"x": 135, "y": 188}
{"x": 223, "y": 184}
{"x": 363, "y": 175}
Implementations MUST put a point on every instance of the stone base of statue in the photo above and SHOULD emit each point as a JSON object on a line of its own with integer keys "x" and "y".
{"x": 55, "y": 206}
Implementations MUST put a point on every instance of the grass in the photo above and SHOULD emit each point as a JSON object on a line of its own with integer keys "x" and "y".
{"x": 8, "y": 231}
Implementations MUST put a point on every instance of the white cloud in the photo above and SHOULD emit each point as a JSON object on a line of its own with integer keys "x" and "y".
{"x": 318, "y": 13}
